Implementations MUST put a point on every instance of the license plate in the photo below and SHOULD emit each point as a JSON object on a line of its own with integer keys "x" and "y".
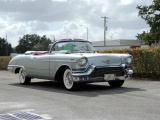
{"x": 109, "y": 76}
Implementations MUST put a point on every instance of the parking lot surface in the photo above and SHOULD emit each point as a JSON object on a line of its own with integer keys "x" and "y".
{"x": 136, "y": 100}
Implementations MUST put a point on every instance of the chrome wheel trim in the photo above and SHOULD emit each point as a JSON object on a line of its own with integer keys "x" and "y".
{"x": 68, "y": 79}
{"x": 22, "y": 76}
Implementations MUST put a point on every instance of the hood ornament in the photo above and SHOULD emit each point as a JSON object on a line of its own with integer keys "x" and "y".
{"x": 106, "y": 61}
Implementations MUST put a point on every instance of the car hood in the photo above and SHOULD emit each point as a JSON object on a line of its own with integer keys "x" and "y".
{"x": 109, "y": 59}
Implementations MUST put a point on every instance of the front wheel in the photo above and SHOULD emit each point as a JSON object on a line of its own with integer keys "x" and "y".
{"x": 116, "y": 83}
{"x": 23, "y": 78}
{"x": 68, "y": 79}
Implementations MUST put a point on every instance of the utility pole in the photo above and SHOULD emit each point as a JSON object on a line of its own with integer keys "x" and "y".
{"x": 87, "y": 33}
{"x": 54, "y": 39}
{"x": 105, "y": 28}
{"x": 86, "y": 29}
{"x": 6, "y": 47}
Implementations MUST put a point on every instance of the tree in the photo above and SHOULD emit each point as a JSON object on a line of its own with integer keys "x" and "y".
{"x": 151, "y": 14}
{"x": 32, "y": 42}
{"x": 5, "y": 47}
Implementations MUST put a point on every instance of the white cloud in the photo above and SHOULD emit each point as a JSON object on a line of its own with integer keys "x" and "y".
{"x": 3, "y": 23}
{"x": 63, "y": 18}
{"x": 126, "y": 2}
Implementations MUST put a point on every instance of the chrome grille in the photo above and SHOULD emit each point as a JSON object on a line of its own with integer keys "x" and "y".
{"x": 99, "y": 72}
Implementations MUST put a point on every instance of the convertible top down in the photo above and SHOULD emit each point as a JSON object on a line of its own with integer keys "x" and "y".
{"x": 72, "y": 61}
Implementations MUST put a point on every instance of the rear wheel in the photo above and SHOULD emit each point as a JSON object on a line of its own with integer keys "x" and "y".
{"x": 23, "y": 78}
{"x": 116, "y": 83}
{"x": 68, "y": 79}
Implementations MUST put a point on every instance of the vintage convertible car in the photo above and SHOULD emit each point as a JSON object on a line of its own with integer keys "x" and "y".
{"x": 72, "y": 61}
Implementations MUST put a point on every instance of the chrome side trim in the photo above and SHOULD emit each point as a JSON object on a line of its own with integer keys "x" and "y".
{"x": 61, "y": 61}
{"x": 15, "y": 66}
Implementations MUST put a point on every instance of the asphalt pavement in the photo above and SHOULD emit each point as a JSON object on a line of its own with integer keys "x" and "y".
{"x": 47, "y": 100}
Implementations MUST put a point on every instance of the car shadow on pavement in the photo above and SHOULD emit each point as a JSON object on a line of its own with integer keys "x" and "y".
{"x": 89, "y": 90}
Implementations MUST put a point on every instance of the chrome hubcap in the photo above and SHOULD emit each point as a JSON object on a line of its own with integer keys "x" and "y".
{"x": 22, "y": 76}
{"x": 68, "y": 80}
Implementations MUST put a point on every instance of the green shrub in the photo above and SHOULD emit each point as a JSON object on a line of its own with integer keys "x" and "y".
{"x": 146, "y": 61}
{"x": 4, "y": 60}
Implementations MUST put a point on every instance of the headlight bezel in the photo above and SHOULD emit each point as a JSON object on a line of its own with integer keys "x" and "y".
{"x": 82, "y": 61}
{"x": 128, "y": 60}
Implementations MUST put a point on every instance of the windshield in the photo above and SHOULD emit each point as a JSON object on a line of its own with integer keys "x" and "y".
{"x": 73, "y": 47}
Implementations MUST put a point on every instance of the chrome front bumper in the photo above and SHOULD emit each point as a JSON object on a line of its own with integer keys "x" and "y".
{"x": 86, "y": 76}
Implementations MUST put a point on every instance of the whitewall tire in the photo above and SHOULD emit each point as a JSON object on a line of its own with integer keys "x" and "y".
{"x": 23, "y": 78}
{"x": 68, "y": 79}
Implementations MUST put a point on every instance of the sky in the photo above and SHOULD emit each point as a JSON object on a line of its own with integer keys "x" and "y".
{"x": 71, "y": 18}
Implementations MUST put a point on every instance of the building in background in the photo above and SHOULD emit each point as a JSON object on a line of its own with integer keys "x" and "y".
{"x": 120, "y": 43}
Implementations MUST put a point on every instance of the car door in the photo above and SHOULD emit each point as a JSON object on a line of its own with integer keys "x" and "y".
{"x": 41, "y": 66}
{"x": 57, "y": 57}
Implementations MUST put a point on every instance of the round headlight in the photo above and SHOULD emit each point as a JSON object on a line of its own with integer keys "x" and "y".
{"x": 128, "y": 60}
{"x": 82, "y": 61}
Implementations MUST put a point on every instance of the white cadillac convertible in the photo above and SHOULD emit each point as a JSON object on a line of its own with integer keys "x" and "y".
{"x": 72, "y": 61}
